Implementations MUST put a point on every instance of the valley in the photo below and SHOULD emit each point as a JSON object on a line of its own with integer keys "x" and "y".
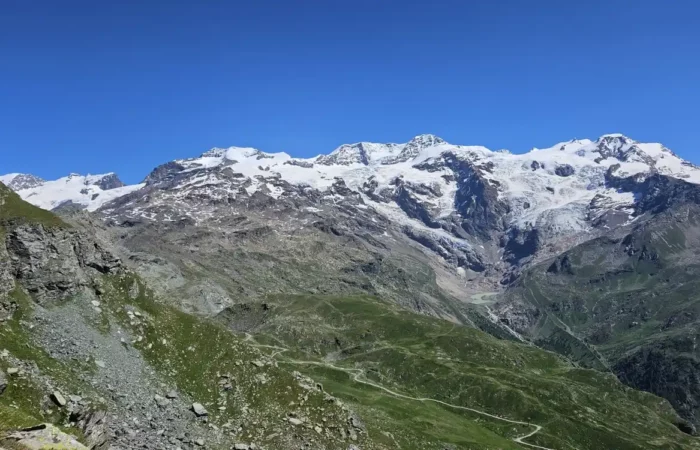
{"x": 417, "y": 296}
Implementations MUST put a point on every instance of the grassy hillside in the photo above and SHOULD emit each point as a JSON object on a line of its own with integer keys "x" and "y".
{"x": 629, "y": 304}
{"x": 341, "y": 340}
{"x": 14, "y": 210}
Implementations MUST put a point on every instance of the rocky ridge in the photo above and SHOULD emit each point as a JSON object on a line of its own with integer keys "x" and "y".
{"x": 484, "y": 213}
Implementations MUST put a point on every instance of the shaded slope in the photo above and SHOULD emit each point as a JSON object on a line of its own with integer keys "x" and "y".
{"x": 627, "y": 302}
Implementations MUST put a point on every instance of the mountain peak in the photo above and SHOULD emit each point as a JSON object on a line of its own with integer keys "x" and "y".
{"x": 345, "y": 155}
{"x": 19, "y": 181}
{"x": 615, "y": 138}
{"x": 426, "y": 140}
{"x": 105, "y": 182}
{"x": 357, "y": 153}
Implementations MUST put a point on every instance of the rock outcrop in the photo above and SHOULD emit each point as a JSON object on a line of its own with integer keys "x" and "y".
{"x": 42, "y": 437}
{"x": 54, "y": 263}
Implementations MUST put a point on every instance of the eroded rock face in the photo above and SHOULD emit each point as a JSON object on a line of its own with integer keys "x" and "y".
{"x": 53, "y": 263}
{"x": 110, "y": 181}
{"x": 164, "y": 172}
{"x": 93, "y": 425}
{"x": 477, "y": 200}
{"x": 564, "y": 170}
{"x": 41, "y": 437}
{"x": 3, "y": 382}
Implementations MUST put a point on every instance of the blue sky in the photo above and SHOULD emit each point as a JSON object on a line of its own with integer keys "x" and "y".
{"x": 95, "y": 86}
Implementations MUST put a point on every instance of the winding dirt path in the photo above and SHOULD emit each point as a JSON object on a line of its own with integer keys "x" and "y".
{"x": 358, "y": 373}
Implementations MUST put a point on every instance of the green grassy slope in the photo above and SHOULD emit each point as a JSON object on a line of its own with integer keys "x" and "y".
{"x": 629, "y": 304}
{"x": 14, "y": 210}
{"x": 420, "y": 356}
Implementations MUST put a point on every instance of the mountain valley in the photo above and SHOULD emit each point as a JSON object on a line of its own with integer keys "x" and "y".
{"x": 420, "y": 295}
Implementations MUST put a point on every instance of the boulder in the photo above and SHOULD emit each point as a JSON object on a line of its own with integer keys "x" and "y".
{"x": 93, "y": 425}
{"x": 199, "y": 410}
{"x": 161, "y": 401}
{"x": 58, "y": 399}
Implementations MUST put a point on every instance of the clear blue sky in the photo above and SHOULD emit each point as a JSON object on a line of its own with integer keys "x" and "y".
{"x": 94, "y": 86}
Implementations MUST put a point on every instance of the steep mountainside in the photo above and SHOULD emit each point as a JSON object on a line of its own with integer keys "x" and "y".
{"x": 627, "y": 301}
{"x": 89, "y": 348}
{"x": 484, "y": 214}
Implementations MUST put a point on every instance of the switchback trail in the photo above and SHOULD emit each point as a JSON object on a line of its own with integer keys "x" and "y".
{"x": 358, "y": 373}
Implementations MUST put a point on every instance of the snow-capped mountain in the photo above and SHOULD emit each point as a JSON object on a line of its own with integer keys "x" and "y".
{"x": 476, "y": 208}
{"x": 89, "y": 191}
{"x": 552, "y": 186}
{"x": 20, "y": 181}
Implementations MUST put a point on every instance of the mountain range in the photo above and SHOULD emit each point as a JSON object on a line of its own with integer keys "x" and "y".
{"x": 483, "y": 212}
{"x": 575, "y": 263}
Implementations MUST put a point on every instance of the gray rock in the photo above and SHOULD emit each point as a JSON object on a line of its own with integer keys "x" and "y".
{"x": 109, "y": 181}
{"x": 356, "y": 422}
{"x": 199, "y": 410}
{"x": 199, "y": 442}
{"x": 564, "y": 170}
{"x": 164, "y": 173}
{"x": 56, "y": 263}
{"x": 3, "y": 382}
{"x": 295, "y": 421}
{"x": 58, "y": 399}
{"x": 44, "y": 436}
{"x": 161, "y": 401}
{"x": 171, "y": 395}
{"x": 12, "y": 371}
{"x": 93, "y": 424}
{"x": 241, "y": 447}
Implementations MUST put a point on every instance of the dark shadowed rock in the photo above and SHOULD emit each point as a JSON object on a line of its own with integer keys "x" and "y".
{"x": 164, "y": 172}
{"x": 3, "y": 381}
{"x": 564, "y": 170}
{"x": 110, "y": 181}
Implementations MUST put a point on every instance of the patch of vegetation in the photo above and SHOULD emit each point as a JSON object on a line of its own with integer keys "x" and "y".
{"x": 24, "y": 402}
{"x": 628, "y": 304}
{"x": 195, "y": 353}
{"x": 421, "y": 356}
{"x": 15, "y": 211}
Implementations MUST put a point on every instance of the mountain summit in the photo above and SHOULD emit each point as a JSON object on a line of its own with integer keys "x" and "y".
{"x": 479, "y": 210}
